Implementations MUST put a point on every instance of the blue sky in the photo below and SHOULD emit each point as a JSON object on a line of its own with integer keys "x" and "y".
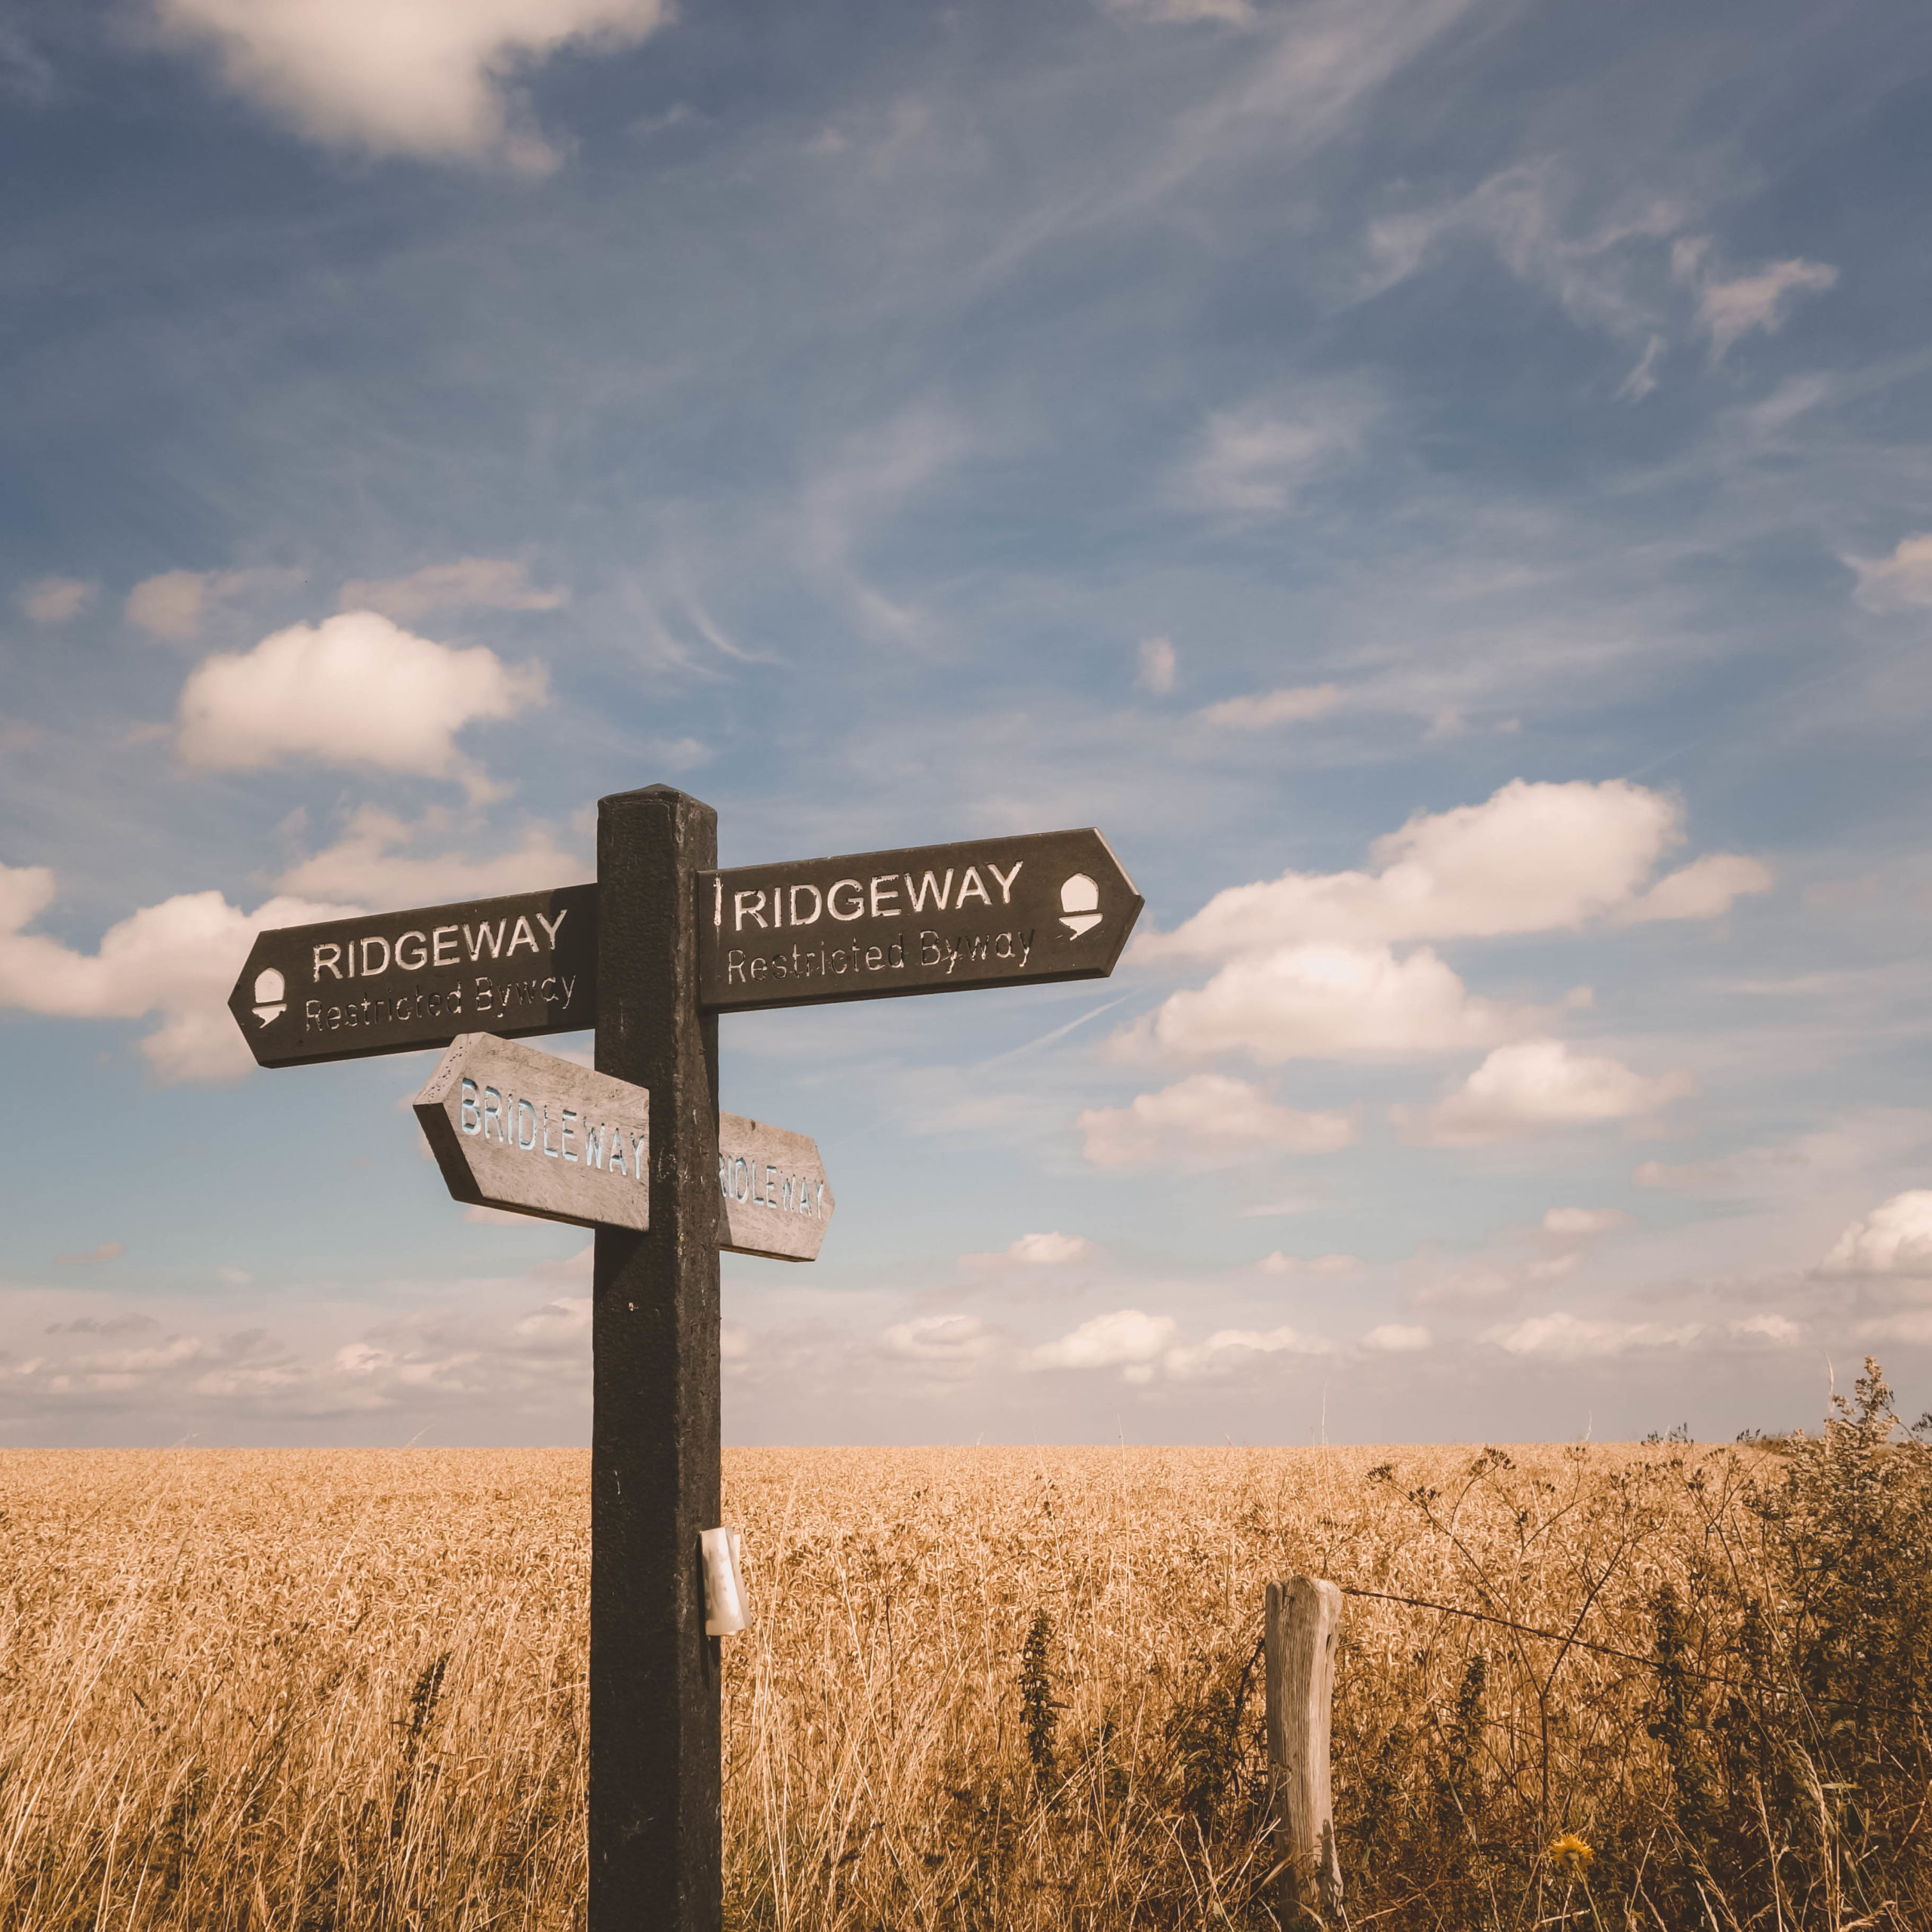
{"x": 1444, "y": 486}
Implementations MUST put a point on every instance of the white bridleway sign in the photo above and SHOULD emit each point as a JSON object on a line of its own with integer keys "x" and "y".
{"x": 773, "y": 1190}
{"x": 514, "y": 1128}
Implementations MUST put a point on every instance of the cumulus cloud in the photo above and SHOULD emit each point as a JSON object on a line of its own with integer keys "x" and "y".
{"x": 383, "y": 859}
{"x": 489, "y": 583}
{"x": 1895, "y": 1238}
{"x": 1157, "y": 665}
{"x": 1258, "y": 712}
{"x": 1278, "y": 1263}
{"x": 1565, "y": 1337}
{"x": 421, "y": 78}
{"x": 178, "y": 958}
{"x": 1126, "y": 1339}
{"x": 1050, "y": 1250}
{"x": 178, "y": 605}
{"x": 355, "y": 689}
{"x": 1228, "y": 1351}
{"x": 1705, "y": 889}
{"x": 957, "y": 1342}
{"x": 1778, "y": 1330}
{"x": 1901, "y": 582}
{"x": 1253, "y": 460}
{"x": 1526, "y": 1088}
{"x": 55, "y": 599}
{"x": 1531, "y": 858}
{"x": 1208, "y": 1120}
{"x": 1326, "y": 1001}
{"x": 1396, "y": 1338}
{"x": 1583, "y": 1223}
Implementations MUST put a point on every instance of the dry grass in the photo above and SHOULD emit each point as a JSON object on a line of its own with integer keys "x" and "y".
{"x": 312, "y": 1691}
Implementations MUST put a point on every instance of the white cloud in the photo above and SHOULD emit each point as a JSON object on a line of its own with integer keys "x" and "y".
{"x": 1778, "y": 1330}
{"x": 1126, "y": 1338}
{"x": 178, "y": 605}
{"x": 1396, "y": 1338}
{"x": 1255, "y": 713}
{"x": 179, "y": 958}
{"x": 1050, "y": 1250}
{"x": 1572, "y": 1338}
{"x": 1901, "y": 582}
{"x": 566, "y": 1319}
{"x": 354, "y": 689}
{"x": 1253, "y": 459}
{"x": 1524, "y": 1089}
{"x": 490, "y": 583}
{"x": 55, "y": 600}
{"x": 1229, "y": 1350}
{"x": 1896, "y": 1239}
{"x": 1158, "y": 665}
{"x": 1531, "y": 858}
{"x": 1601, "y": 276}
{"x": 1229, "y": 13}
{"x": 1643, "y": 378}
{"x": 942, "y": 1341}
{"x": 1729, "y": 309}
{"x": 372, "y": 861}
{"x": 1325, "y": 1001}
{"x": 1582, "y": 1223}
{"x": 430, "y": 79}
{"x": 1916, "y": 1327}
{"x": 1850, "y": 1145}
{"x": 1278, "y": 1263}
{"x": 1207, "y": 1120}
{"x": 1705, "y": 889}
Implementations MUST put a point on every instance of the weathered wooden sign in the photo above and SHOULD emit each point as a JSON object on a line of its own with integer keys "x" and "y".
{"x": 393, "y": 982}
{"x": 773, "y": 1190}
{"x": 513, "y": 1128}
{"x": 1038, "y": 906}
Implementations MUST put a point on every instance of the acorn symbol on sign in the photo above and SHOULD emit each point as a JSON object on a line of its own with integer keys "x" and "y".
{"x": 269, "y": 988}
{"x": 1079, "y": 905}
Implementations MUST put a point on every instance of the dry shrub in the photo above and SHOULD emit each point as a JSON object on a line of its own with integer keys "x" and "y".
{"x": 987, "y": 1688}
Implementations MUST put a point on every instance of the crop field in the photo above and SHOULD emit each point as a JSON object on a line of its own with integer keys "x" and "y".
{"x": 983, "y": 1688}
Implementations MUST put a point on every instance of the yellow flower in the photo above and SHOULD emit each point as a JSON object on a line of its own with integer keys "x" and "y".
{"x": 1571, "y": 1855}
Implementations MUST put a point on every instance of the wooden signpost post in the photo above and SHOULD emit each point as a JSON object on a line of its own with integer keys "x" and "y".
{"x": 649, "y": 955}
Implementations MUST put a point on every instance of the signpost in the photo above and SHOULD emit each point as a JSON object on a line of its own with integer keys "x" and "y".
{"x": 516, "y": 1129}
{"x": 650, "y": 955}
{"x": 513, "y": 1127}
{"x": 1041, "y": 907}
{"x": 391, "y": 983}
{"x": 772, "y": 1187}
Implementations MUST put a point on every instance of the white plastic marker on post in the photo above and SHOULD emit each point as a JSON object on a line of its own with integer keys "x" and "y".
{"x": 724, "y": 1613}
{"x": 1303, "y": 1624}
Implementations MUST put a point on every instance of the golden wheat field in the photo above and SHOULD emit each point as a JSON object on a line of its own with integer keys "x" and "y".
{"x": 318, "y": 1689}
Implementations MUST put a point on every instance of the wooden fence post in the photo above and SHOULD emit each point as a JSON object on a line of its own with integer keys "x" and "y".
{"x": 1304, "y": 1618}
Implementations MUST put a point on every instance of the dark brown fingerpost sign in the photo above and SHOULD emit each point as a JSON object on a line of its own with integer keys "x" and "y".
{"x": 393, "y": 982}
{"x": 1041, "y": 907}
{"x": 650, "y": 955}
